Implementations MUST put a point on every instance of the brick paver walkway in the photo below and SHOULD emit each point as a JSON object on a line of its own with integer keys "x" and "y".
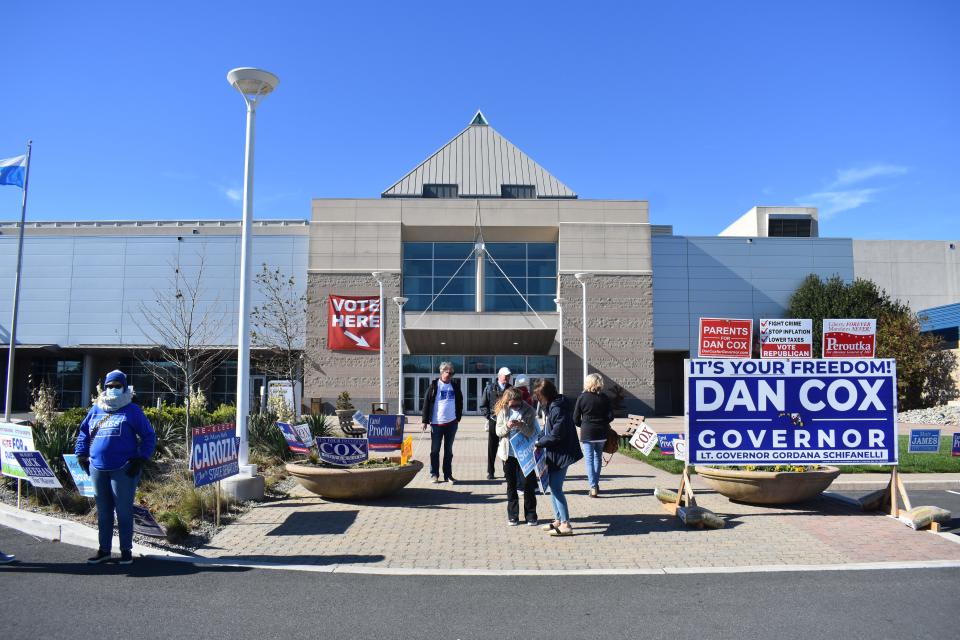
{"x": 463, "y": 526}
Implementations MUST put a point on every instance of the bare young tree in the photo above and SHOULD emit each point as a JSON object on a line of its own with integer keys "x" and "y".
{"x": 186, "y": 330}
{"x": 279, "y": 324}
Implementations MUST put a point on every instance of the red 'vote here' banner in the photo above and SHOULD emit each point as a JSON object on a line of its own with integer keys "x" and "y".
{"x": 353, "y": 323}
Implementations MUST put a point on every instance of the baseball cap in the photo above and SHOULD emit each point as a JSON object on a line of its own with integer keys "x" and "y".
{"x": 504, "y": 372}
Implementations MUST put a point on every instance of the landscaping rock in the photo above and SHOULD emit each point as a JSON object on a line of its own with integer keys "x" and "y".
{"x": 945, "y": 415}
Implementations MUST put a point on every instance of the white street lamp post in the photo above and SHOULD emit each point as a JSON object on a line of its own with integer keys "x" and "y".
{"x": 582, "y": 279}
{"x": 253, "y": 85}
{"x": 559, "y": 302}
{"x": 400, "y": 302}
{"x": 378, "y": 276}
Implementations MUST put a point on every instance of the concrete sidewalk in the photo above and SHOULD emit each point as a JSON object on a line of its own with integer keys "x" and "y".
{"x": 463, "y": 527}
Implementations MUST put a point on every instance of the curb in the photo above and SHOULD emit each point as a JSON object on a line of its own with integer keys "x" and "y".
{"x": 69, "y": 532}
{"x": 53, "y": 529}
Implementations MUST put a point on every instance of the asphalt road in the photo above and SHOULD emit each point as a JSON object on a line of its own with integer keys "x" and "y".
{"x": 50, "y": 593}
{"x": 949, "y": 500}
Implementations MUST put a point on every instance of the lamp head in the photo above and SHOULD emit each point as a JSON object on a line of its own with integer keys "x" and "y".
{"x": 378, "y": 276}
{"x": 581, "y": 277}
{"x": 400, "y": 300}
{"x": 252, "y": 83}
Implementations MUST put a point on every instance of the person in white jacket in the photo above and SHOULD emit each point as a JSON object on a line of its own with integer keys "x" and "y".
{"x": 513, "y": 414}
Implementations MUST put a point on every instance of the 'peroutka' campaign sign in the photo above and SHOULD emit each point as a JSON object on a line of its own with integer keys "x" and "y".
{"x": 215, "y": 453}
{"x": 725, "y": 338}
{"x": 849, "y": 338}
{"x": 353, "y": 323}
{"x": 786, "y": 338}
{"x": 801, "y": 412}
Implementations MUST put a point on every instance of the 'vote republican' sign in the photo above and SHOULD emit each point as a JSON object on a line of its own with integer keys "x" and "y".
{"x": 353, "y": 323}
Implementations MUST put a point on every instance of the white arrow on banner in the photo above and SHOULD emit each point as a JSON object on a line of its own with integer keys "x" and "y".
{"x": 361, "y": 341}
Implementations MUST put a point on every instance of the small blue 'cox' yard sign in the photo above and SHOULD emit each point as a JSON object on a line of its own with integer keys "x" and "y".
{"x": 924, "y": 441}
{"x": 343, "y": 452}
{"x": 956, "y": 444}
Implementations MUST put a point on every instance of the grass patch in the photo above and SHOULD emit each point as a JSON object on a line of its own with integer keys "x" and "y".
{"x": 940, "y": 462}
{"x": 656, "y": 459}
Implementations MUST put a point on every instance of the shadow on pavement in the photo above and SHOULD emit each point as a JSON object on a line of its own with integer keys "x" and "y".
{"x": 426, "y": 498}
{"x": 141, "y": 568}
{"x": 309, "y": 523}
{"x": 632, "y": 525}
{"x": 316, "y": 560}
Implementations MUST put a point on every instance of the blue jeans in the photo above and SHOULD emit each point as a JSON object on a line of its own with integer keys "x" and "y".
{"x": 593, "y": 457}
{"x": 114, "y": 491}
{"x": 445, "y": 435}
{"x": 555, "y": 480}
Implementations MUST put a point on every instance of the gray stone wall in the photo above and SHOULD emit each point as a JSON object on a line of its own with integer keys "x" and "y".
{"x": 620, "y": 335}
{"x": 327, "y": 373}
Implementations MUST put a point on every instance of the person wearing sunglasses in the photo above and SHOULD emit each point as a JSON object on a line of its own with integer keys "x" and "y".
{"x": 114, "y": 442}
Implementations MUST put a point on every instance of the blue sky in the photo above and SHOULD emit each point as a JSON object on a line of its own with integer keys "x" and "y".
{"x": 703, "y": 108}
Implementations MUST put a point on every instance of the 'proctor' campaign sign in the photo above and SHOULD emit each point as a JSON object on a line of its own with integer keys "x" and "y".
{"x": 343, "y": 451}
{"x": 849, "y": 338}
{"x": 353, "y": 323}
{"x": 384, "y": 432}
{"x": 924, "y": 441}
{"x": 665, "y": 442}
{"x": 725, "y": 338}
{"x": 791, "y": 412}
{"x": 216, "y": 453}
{"x": 786, "y": 338}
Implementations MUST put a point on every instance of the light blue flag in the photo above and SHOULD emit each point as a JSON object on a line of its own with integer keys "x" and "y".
{"x": 12, "y": 171}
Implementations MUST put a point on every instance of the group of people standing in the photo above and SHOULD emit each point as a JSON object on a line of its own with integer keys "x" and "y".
{"x": 512, "y": 408}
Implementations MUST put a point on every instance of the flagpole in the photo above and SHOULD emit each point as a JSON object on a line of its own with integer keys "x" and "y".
{"x": 16, "y": 292}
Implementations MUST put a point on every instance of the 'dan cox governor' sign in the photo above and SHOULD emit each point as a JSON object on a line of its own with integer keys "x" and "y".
{"x": 849, "y": 338}
{"x": 801, "y": 412}
{"x": 725, "y": 338}
{"x": 353, "y": 323}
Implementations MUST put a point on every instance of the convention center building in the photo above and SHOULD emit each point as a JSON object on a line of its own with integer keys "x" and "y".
{"x": 494, "y": 257}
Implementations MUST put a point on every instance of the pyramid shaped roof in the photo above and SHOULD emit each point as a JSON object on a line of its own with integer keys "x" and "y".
{"x": 479, "y": 161}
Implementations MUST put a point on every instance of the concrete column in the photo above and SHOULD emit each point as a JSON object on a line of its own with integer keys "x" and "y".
{"x": 89, "y": 377}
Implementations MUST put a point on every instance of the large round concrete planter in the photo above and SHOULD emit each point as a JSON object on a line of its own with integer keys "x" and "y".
{"x": 768, "y": 487}
{"x": 354, "y": 483}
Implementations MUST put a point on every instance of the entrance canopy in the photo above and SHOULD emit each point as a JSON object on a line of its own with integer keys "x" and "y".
{"x": 480, "y": 333}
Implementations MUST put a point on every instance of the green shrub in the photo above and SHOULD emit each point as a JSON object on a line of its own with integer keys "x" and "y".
{"x": 320, "y": 426}
{"x": 266, "y": 438}
{"x": 170, "y": 439}
{"x": 54, "y": 440}
{"x": 223, "y": 414}
{"x": 177, "y": 529}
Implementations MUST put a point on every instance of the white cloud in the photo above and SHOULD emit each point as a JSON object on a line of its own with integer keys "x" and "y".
{"x": 845, "y": 192}
{"x": 830, "y": 203}
{"x": 855, "y": 175}
{"x": 233, "y": 195}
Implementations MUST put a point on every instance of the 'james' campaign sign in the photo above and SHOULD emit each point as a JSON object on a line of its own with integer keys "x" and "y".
{"x": 725, "y": 338}
{"x": 791, "y": 412}
{"x": 385, "y": 433}
{"x": 215, "y": 453}
{"x": 343, "y": 451}
{"x": 353, "y": 323}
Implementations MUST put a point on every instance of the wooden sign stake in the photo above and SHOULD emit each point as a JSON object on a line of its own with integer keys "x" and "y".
{"x": 685, "y": 495}
{"x": 218, "y": 505}
{"x": 897, "y": 490}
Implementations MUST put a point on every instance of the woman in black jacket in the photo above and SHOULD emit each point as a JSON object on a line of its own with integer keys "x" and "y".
{"x": 559, "y": 439}
{"x": 593, "y": 414}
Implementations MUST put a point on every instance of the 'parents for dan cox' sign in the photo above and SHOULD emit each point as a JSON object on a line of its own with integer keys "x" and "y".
{"x": 791, "y": 411}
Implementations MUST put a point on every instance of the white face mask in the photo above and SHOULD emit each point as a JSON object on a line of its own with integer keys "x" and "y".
{"x": 112, "y": 393}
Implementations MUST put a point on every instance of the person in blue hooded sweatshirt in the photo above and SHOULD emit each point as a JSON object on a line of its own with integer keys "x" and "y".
{"x": 115, "y": 441}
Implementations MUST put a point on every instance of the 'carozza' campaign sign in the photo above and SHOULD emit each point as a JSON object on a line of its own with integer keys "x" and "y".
{"x": 791, "y": 412}
{"x": 725, "y": 338}
{"x": 384, "y": 432}
{"x": 353, "y": 323}
{"x": 786, "y": 338}
{"x": 215, "y": 453}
